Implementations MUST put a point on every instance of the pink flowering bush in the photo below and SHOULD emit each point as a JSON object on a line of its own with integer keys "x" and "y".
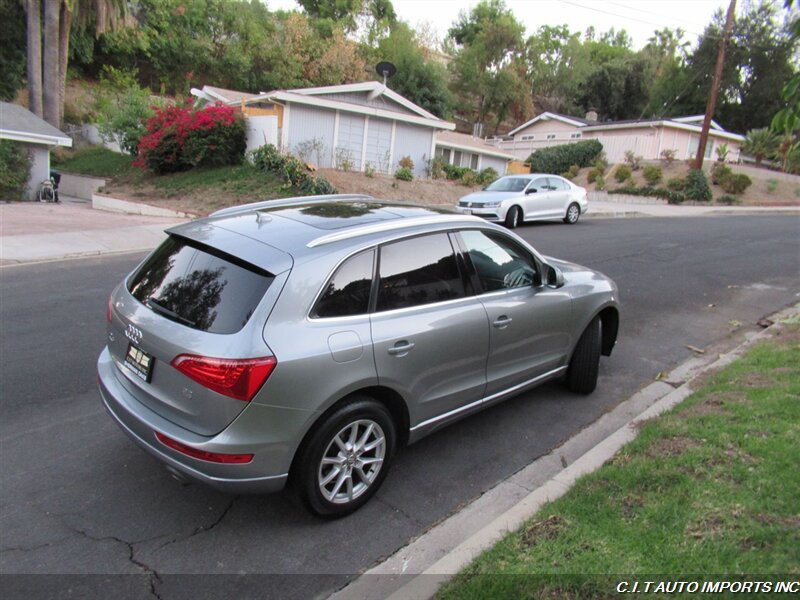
{"x": 179, "y": 138}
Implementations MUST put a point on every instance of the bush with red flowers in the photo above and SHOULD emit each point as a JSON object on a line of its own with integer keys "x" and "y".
{"x": 179, "y": 138}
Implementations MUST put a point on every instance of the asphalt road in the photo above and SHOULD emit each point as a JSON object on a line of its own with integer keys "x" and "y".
{"x": 81, "y": 503}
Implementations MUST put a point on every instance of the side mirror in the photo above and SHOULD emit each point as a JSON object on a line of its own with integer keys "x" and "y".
{"x": 530, "y": 191}
{"x": 554, "y": 277}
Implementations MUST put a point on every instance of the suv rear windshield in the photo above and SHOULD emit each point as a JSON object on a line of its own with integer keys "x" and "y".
{"x": 199, "y": 287}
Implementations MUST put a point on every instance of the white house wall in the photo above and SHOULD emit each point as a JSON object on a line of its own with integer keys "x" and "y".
{"x": 498, "y": 164}
{"x": 40, "y": 167}
{"x": 363, "y": 99}
{"x": 415, "y": 142}
{"x": 307, "y": 123}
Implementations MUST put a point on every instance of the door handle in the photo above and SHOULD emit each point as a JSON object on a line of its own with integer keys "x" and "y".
{"x": 401, "y": 348}
{"x": 502, "y": 322}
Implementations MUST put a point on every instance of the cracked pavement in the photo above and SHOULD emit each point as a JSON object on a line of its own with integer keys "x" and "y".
{"x": 85, "y": 514}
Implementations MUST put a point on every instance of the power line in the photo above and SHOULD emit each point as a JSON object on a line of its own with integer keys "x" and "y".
{"x": 613, "y": 14}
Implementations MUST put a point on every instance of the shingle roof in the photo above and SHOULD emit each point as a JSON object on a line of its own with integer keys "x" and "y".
{"x": 18, "y": 123}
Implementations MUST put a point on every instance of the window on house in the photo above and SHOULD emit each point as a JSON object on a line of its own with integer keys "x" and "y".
{"x": 551, "y": 136}
{"x": 526, "y": 138}
{"x": 443, "y": 153}
{"x": 575, "y": 135}
{"x": 457, "y": 158}
{"x": 473, "y": 162}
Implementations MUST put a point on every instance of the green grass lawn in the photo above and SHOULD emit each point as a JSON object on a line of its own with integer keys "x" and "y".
{"x": 709, "y": 491}
{"x": 212, "y": 187}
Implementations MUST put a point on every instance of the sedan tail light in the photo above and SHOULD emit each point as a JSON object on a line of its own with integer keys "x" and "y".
{"x": 236, "y": 378}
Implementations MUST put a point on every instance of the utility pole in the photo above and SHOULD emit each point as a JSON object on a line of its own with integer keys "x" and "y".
{"x": 712, "y": 98}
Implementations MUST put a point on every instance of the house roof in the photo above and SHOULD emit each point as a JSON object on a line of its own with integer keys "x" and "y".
{"x": 671, "y": 123}
{"x": 462, "y": 141}
{"x": 546, "y": 116}
{"x": 316, "y": 97}
{"x": 19, "y": 124}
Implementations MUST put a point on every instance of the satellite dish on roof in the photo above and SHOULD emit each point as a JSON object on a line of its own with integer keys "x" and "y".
{"x": 385, "y": 69}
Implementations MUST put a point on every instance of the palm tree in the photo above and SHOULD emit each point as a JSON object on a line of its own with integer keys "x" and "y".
{"x": 34, "y": 40}
{"x": 760, "y": 144}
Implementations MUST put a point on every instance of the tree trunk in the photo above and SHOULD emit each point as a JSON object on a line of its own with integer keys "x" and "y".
{"x": 33, "y": 8}
{"x": 51, "y": 63}
{"x": 64, "y": 26}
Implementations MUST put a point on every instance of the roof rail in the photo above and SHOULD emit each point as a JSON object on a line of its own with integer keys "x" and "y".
{"x": 297, "y": 200}
{"x": 394, "y": 224}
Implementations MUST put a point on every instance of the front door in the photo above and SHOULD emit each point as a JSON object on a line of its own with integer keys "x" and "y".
{"x": 527, "y": 322}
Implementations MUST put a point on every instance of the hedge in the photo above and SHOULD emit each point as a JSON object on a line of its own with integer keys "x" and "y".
{"x": 558, "y": 159}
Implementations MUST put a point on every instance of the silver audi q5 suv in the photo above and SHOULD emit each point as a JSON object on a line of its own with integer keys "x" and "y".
{"x": 305, "y": 340}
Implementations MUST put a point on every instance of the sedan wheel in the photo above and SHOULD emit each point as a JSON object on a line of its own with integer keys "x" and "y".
{"x": 513, "y": 217}
{"x": 347, "y": 457}
{"x": 573, "y": 214}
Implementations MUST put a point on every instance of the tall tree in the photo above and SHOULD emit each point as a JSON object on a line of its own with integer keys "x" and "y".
{"x": 50, "y": 63}
{"x": 12, "y": 48}
{"x": 488, "y": 39}
{"x": 33, "y": 9}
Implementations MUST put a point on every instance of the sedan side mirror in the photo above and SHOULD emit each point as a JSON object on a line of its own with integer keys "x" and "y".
{"x": 530, "y": 191}
{"x": 554, "y": 277}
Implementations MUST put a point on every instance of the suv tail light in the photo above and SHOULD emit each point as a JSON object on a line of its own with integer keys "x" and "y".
{"x": 236, "y": 378}
{"x": 230, "y": 459}
{"x": 108, "y": 308}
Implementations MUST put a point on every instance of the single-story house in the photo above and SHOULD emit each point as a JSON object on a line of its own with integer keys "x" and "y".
{"x": 34, "y": 135}
{"x": 463, "y": 150}
{"x": 350, "y": 126}
{"x": 647, "y": 138}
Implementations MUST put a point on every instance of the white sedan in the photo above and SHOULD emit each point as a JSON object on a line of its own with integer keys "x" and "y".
{"x": 514, "y": 199}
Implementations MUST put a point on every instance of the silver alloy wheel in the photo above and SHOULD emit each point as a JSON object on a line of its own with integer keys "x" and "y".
{"x": 352, "y": 461}
{"x": 573, "y": 212}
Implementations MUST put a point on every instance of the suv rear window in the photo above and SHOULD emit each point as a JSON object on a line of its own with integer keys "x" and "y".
{"x": 199, "y": 287}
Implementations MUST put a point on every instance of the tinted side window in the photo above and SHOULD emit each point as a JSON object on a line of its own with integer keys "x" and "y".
{"x": 499, "y": 263}
{"x": 558, "y": 184}
{"x": 347, "y": 292}
{"x": 418, "y": 271}
{"x": 540, "y": 185}
{"x": 199, "y": 287}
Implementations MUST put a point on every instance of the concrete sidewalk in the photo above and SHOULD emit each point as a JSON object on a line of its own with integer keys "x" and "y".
{"x": 35, "y": 232}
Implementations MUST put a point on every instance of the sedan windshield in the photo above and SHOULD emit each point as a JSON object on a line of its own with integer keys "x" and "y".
{"x": 508, "y": 184}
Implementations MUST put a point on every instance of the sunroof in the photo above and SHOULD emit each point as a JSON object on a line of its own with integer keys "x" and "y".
{"x": 336, "y": 215}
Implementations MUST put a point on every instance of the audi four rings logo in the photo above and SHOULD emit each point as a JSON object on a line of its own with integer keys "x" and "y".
{"x": 133, "y": 334}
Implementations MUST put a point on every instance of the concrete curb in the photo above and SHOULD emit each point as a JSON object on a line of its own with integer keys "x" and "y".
{"x": 107, "y": 203}
{"x": 418, "y": 570}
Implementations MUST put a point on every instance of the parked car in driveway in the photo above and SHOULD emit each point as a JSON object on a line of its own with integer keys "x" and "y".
{"x": 305, "y": 340}
{"x": 514, "y": 199}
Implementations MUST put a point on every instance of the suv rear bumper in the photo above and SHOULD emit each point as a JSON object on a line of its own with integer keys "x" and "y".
{"x": 141, "y": 424}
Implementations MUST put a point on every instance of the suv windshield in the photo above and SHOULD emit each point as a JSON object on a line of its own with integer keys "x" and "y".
{"x": 199, "y": 287}
{"x": 508, "y": 184}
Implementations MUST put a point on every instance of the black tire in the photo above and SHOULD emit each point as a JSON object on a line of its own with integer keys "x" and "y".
{"x": 326, "y": 499}
{"x": 585, "y": 362}
{"x": 573, "y": 214}
{"x": 513, "y": 217}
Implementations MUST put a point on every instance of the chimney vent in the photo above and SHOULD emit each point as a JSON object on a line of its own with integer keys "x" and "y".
{"x": 591, "y": 115}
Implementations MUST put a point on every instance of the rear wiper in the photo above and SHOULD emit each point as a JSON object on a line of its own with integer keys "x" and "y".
{"x": 163, "y": 310}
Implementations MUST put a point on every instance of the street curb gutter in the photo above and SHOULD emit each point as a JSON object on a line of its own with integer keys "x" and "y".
{"x": 417, "y": 571}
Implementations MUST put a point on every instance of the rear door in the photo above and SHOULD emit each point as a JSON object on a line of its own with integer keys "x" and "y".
{"x": 559, "y": 195}
{"x": 528, "y": 322}
{"x": 429, "y": 331}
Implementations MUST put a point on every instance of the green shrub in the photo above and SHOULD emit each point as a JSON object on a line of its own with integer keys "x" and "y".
{"x": 600, "y": 162}
{"x": 600, "y": 182}
{"x": 593, "y": 175}
{"x": 369, "y": 169}
{"x": 623, "y": 173}
{"x": 454, "y": 173}
{"x": 668, "y": 156}
{"x": 15, "y": 168}
{"x": 403, "y": 174}
{"x": 436, "y": 168}
{"x": 470, "y": 179}
{"x": 487, "y": 176}
{"x": 652, "y": 174}
{"x": 571, "y": 173}
{"x": 735, "y": 183}
{"x": 671, "y": 196}
{"x": 726, "y": 199}
{"x": 718, "y": 172}
{"x": 122, "y": 108}
{"x": 291, "y": 170}
{"x": 697, "y": 186}
{"x": 558, "y": 159}
{"x": 772, "y": 185}
{"x": 676, "y": 184}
